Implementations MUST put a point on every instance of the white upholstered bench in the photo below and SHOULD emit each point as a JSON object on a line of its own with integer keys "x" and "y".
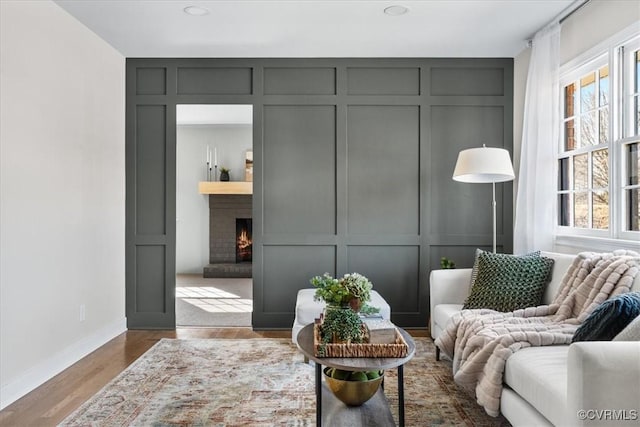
{"x": 307, "y": 310}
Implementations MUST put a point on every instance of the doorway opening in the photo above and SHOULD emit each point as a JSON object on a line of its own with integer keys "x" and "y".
{"x": 214, "y": 202}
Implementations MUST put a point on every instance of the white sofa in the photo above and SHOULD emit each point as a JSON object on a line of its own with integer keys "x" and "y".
{"x": 549, "y": 386}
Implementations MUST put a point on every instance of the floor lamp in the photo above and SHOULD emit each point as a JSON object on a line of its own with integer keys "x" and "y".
{"x": 484, "y": 165}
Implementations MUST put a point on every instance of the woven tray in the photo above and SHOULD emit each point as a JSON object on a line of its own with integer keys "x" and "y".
{"x": 397, "y": 349}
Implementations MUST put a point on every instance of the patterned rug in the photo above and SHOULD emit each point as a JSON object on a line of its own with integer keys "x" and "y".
{"x": 258, "y": 382}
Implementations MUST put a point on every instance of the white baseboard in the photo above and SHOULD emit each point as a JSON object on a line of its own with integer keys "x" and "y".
{"x": 58, "y": 362}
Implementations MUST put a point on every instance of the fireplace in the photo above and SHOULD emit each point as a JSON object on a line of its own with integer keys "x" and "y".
{"x": 244, "y": 244}
{"x": 230, "y": 235}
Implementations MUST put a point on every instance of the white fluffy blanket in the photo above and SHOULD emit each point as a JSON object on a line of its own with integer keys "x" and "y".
{"x": 480, "y": 341}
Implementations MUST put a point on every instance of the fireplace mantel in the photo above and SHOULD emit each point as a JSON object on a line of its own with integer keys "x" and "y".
{"x": 225, "y": 187}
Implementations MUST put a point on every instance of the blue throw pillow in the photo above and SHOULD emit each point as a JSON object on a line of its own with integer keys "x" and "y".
{"x": 609, "y": 318}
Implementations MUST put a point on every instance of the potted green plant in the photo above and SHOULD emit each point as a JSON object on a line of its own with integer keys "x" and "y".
{"x": 352, "y": 290}
{"x": 224, "y": 174}
{"x": 446, "y": 263}
{"x": 342, "y": 325}
{"x": 345, "y": 297}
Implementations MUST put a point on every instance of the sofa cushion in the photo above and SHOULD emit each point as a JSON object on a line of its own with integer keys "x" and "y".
{"x": 519, "y": 412}
{"x": 609, "y": 318}
{"x": 561, "y": 264}
{"x": 443, "y": 312}
{"x": 631, "y": 332}
{"x": 508, "y": 282}
{"x": 539, "y": 375}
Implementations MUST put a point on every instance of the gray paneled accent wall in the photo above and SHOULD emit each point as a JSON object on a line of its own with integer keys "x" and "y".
{"x": 383, "y": 170}
{"x": 353, "y": 161}
{"x": 299, "y": 183}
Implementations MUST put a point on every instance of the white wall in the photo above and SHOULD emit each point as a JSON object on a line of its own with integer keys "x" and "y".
{"x": 590, "y": 25}
{"x": 62, "y": 193}
{"x": 594, "y": 23}
{"x": 192, "y": 226}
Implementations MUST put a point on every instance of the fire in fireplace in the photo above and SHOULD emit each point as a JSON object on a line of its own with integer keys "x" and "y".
{"x": 244, "y": 244}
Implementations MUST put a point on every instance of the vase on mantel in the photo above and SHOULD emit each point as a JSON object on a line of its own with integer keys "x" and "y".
{"x": 224, "y": 175}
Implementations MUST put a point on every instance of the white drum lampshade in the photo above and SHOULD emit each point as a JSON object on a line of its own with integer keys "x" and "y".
{"x": 483, "y": 165}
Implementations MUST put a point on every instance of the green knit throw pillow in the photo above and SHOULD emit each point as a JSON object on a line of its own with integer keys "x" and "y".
{"x": 507, "y": 282}
{"x": 474, "y": 270}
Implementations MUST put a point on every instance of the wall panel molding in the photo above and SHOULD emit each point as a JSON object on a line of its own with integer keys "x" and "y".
{"x": 352, "y": 172}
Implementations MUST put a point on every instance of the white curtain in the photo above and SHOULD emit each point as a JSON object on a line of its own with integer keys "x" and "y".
{"x": 535, "y": 217}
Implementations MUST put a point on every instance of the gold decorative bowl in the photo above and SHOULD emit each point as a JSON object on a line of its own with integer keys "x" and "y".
{"x": 353, "y": 393}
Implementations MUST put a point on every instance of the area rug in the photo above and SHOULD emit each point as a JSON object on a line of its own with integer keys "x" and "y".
{"x": 258, "y": 382}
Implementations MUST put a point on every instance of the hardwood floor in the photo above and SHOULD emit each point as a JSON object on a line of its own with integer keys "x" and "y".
{"x": 54, "y": 400}
{"x": 50, "y": 403}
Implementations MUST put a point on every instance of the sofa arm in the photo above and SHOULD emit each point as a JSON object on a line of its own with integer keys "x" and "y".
{"x": 603, "y": 383}
{"x": 449, "y": 286}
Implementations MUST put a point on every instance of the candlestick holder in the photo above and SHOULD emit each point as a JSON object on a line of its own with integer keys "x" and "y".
{"x": 215, "y": 174}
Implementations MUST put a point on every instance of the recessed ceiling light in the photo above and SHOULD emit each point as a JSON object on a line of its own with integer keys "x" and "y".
{"x": 396, "y": 10}
{"x": 195, "y": 11}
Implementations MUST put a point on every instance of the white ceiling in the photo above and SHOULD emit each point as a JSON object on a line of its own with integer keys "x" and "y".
{"x": 316, "y": 28}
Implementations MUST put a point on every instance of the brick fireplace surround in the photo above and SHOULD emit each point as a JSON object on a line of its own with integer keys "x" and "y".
{"x": 223, "y": 211}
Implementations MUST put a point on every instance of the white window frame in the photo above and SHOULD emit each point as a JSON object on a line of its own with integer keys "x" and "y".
{"x": 625, "y": 55}
{"x": 614, "y": 52}
{"x": 574, "y": 77}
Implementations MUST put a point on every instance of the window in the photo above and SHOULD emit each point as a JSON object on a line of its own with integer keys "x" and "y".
{"x": 584, "y": 163}
{"x": 599, "y": 156}
{"x": 631, "y": 140}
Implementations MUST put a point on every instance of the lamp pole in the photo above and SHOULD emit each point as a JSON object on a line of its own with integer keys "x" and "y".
{"x": 493, "y": 204}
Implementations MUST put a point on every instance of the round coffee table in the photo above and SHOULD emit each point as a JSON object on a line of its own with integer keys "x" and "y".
{"x": 305, "y": 344}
